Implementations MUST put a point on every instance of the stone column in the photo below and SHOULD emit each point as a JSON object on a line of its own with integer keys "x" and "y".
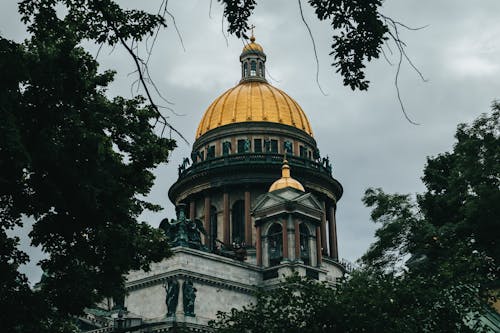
{"x": 319, "y": 257}
{"x": 225, "y": 217}
{"x": 192, "y": 209}
{"x": 297, "y": 240}
{"x": 285, "y": 239}
{"x": 248, "y": 220}
{"x": 206, "y": 222}
{"x": 333, "y": 234}
{"x": 323, "y": 244}
{"x": 258, "y": 247}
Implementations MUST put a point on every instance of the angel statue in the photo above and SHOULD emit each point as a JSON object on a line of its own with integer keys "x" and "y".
{"x": 183, "y": 231}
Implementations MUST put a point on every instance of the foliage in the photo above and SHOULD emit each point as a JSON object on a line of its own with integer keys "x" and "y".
{"x": 445, "y": 239}
{"x": 75, "y": 161}
{"x": 367, "y": 301}
{"x": 459, "y": 209}
{"x": 291, "y": 307}
{"x": 359, "y": 32}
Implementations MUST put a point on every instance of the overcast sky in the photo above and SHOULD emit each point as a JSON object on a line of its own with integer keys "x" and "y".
{"x": 364, "y": 133}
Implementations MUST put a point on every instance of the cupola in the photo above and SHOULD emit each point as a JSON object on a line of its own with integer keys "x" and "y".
{"x": 253, "y": 60}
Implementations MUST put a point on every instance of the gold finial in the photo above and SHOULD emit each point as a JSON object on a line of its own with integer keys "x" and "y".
{"x": 252, "y": 37}
{"x": 285, "y": 169}
{"x": 286, "y": 180}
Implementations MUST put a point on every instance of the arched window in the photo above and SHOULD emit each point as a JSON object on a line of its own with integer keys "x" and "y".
{"x": 261, "y": 68}
{"x": 253, "y": 68}
{"x": 304, "y": 244}
{"x": 275, "y": 244}
{"x": 213, "y": 228}
{"x": 238, "y": 222}
{"x": 245, "y": 69}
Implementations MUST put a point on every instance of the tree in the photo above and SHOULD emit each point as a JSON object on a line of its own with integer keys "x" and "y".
{"x": 431, "y": 268}
{"x": 76, "y": 162}
{"x": 459, "y": 206}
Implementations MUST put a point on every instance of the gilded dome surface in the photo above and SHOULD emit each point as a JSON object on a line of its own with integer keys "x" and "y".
{"x": 286, "y": 180}
{"x": 250, "y": 102}
{"x": 253, "y": 47}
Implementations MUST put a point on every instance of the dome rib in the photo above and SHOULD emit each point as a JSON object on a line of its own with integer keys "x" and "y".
{"x": 224, "y": 105}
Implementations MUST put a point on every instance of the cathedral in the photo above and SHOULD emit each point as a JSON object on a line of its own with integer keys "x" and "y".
{"x": 255, "y": 202}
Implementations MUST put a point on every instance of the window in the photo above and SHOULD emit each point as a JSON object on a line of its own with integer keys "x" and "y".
{"x": 253, "y": 68}
{"x": 303, "y": 151}
{"x": 275, "y": 244}
{"x": 274, "y": 146}
{"x": 241, "y": 146}
{"x": 213, "y": 228}
{"x": 245, "y": 69}
{"x": 210, "y": 152}
{"x": 261, "y": 68}
{"x": 304, "y": 244}
{"x": 257, "y": 145}
{"x": 238, "y": 222}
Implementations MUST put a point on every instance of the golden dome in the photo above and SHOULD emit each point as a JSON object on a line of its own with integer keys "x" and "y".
{"x": 252, "y": 46}
{"x": 253, "y": 101}
{"x": 286, "y": 180}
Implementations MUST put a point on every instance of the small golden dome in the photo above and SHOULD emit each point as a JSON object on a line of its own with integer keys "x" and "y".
{"x": 250, "y": 102}
{"x": 286, "y": 180}
{"x": 252, "y": 46}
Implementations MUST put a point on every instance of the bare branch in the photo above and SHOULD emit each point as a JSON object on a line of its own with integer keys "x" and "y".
{"x": 98, "y": 51}
{"x": 150, "y": 50}
{"x": 222, "y": 29}
{"x": 314, "y": 47}
{"x": 160, "y": 117}
{"x": 175, "y": 26}
{"x": 385, "y": 56}
{"x": 272, "y": 78}
{"x": 393, "y": 32}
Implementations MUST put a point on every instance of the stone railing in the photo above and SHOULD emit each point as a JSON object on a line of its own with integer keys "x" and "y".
{"x": 255, "y": 158}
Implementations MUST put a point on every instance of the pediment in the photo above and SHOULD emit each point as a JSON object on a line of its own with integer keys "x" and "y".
{"x": 309, "y": 200}
{"x": 288, "y": 197}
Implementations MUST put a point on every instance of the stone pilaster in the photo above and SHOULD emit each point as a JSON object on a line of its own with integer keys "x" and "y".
{"x": 248, "y": 220}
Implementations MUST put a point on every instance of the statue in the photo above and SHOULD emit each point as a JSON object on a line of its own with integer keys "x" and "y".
{"x": 226, "y": 148}
{"x": 210, "y": 151}
{"x": 172, "y": 298}
{"x": 288, "y": 147}
{"x": 235, "y": 251}
{"x": 183, "y": 166}
{"x": 194, "y": 228}
{"x": 188, "y": 297}
{"x": 183, "y": 231}
{"x": 246, "y": 146}
{"x": 328, "y": 164}
{"x": 200, "y": 155}
{"x": 185, "y": 162}
{"x": 194, "y": 156}
{"x": 267, "y": 145}
{"x": 316, "y": 154}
